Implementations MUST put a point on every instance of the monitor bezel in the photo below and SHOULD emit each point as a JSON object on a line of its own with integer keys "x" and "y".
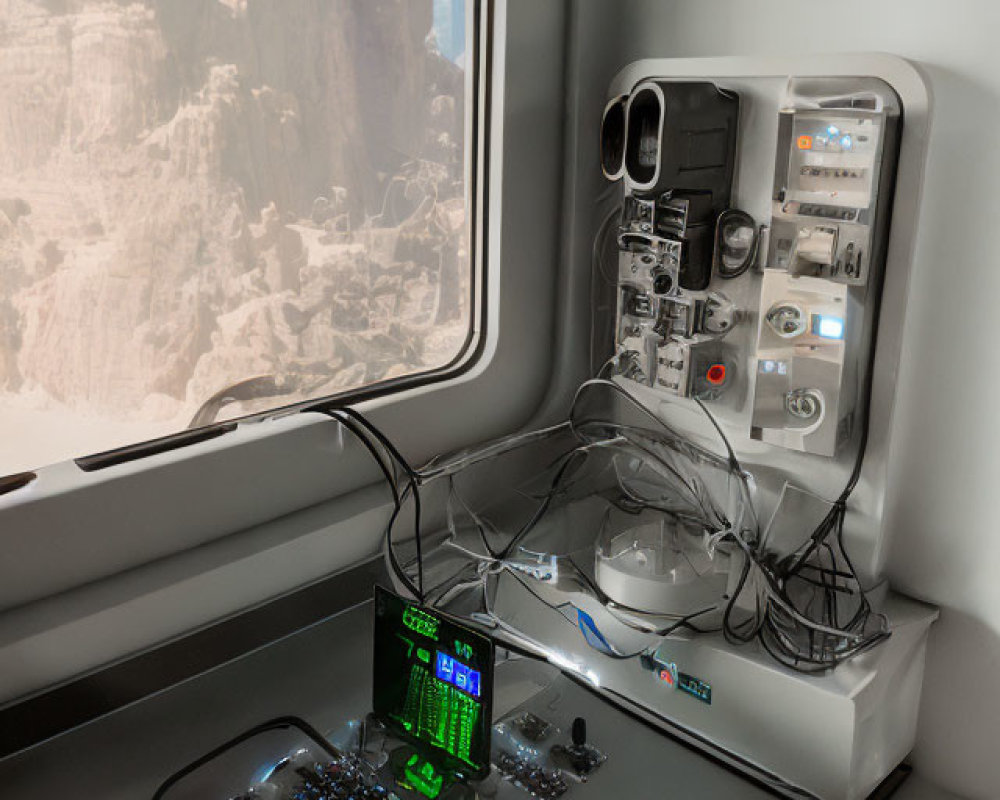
{"x": 436, "y": 755}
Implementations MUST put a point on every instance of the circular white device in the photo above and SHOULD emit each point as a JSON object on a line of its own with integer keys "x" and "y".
{"x": 660, "y": 567}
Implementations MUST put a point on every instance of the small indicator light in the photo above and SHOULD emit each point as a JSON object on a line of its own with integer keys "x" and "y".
{"x": 667, "y": 672}
{"x": 767, "y": 366}
{"x": 845, "y": 142}
{"x": 782, "y": 368}
{"x": 829, "y": 327}
{"x": 833, "y": 130}
{"x": 804, "y": 142}
{"x": 716, "y": 374}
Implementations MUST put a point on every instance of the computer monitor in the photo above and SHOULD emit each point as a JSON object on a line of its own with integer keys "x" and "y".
{"x": 433, "y": 684}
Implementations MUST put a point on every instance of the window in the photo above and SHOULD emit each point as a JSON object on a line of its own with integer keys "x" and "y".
{"x": 213, "y": 208}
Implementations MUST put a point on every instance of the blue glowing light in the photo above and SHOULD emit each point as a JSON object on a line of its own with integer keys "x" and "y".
{"x": 833, "y": 130}
{"x": 845, "y": 142}
{"x": 829, "y": 327}
{"x": 458, "y": 675}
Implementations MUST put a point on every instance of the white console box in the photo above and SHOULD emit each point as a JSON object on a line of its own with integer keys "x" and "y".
{"x": 835, "y": 735}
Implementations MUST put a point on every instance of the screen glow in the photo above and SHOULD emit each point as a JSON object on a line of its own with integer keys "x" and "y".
{"x": 457, "y": 674}
{"x": 830, "y": 328}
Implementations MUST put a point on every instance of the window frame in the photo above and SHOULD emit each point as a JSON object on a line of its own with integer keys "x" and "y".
{"x": 479, "y": 37}
{"x": 76, "y": 532}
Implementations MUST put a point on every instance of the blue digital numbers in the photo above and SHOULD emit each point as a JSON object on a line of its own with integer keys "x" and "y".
{"x": 445, "y": 668}
{"x": 457, "y": 674}
{"x": 474, "y": 688}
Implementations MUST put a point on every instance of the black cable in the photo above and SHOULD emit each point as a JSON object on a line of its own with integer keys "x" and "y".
{"x": 627, "y": 433}
{"x": 453, "y": 492}
{"x": 833, "y": 522}
{"x": 685, "y": 622}
{"x": 399, "y": 498}
{"x": 764, "y": 622}
{"x": 413, "y": 482}
{"x": 347, "y": 421}
{"x": 839, "y": 509}
{"x": 733, "y": 633}
{"x": 734, "y": 464}
{"x": 543, "y": 506}
{"x": 661, "y": 427}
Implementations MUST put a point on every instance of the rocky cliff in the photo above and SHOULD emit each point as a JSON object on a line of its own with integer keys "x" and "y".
{"x": 194, "y": 193}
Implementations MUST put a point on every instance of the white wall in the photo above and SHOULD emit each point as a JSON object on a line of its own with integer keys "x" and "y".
{"x": 943, "y": 475}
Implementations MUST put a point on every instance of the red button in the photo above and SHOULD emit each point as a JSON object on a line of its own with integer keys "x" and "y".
{"x": 716, "y": 374}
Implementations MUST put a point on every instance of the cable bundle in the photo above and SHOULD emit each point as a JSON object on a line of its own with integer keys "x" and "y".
{"x": 391, "y": 463}
{"x": 809, "y": 610}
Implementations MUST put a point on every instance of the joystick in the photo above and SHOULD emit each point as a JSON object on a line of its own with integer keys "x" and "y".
{"x": 579, "y": 759}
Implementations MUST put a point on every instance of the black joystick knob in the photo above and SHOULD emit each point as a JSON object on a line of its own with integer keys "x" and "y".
{"x": 579, "y": 758}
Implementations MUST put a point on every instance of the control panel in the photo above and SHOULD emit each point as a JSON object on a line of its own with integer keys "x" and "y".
{"x": 677, "y": 166}
{"x": 774, "y": 319}
{"x": 827, "y": 173}
{"x": 822, "y": 278}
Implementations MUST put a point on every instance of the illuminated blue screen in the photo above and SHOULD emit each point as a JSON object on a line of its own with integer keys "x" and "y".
{"x": 457, "y": 674}
{"x": 828, "y": 327}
